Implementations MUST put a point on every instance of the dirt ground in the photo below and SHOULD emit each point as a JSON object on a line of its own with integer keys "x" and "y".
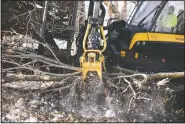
{"x": 89, "y": 103}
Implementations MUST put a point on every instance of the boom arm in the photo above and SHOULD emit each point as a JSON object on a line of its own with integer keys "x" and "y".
{"x": 92, "y": 58}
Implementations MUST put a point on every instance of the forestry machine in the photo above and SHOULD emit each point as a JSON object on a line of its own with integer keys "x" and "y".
{"x": 144, "y": 42}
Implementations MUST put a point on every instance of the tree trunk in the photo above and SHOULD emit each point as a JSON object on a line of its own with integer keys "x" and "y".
{"x": 42, "y": 29}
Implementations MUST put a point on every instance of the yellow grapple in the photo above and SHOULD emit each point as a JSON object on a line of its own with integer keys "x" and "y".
{"x": 92, "y": 60}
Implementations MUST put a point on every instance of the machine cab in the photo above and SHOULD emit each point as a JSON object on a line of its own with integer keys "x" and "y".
{"x": 152, "y": 17}
{"x": 153, "y": 37}
{"x": 159, "y": 16}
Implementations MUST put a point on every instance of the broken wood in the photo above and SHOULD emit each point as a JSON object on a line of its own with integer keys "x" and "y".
{"x": 171, "y": 75}
{"x": 124, "y": 70}
{"x": 154, "y": 76}
{"x": 20, "y": 77}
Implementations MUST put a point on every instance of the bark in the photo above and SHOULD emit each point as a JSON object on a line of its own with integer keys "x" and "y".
{"x": 14, "y": 78}
{"x": 42, "y": 29}
{"x": 44, "y": 18}
{"x": 124, "y": 70}
{"x": 171, "y": 75}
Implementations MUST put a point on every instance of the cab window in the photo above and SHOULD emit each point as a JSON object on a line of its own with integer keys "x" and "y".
{"x": 171, "y": 18}
{"x": 144, "y": 9}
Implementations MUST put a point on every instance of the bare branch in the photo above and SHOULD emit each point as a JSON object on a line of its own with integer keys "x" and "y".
{"x": 52, "y": 77}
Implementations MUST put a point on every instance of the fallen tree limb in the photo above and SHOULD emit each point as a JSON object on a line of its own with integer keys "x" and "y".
{"x": 161, "y": 75}
{"x": 54, "y": 86}
{"x": 58, "y": 77}
{"x": 43, "y": 59}
{"x": 13, "y": 78}
{"x": 124, "y": 70}
{"x": 171, "y": 75}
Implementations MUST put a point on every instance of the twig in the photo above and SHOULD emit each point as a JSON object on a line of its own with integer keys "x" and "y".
{"x": 125, "y": 89}
{"x": 130, "y": 87}
{"x": 130, "y": 104}
{"x": 49, "y": 89}
{"x": 38, "y": 43}
{"x": 44, "y": 60}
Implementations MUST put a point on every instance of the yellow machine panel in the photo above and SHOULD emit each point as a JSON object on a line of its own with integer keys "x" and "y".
{"x": 156, "y": 37}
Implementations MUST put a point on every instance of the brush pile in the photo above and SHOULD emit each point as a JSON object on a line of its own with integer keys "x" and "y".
{"x": 38, "y": 88}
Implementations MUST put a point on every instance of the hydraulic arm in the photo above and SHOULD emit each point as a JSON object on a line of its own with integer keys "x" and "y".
{"x": 94, "y": 42}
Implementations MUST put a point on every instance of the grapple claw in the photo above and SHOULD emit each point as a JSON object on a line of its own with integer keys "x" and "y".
{"x": 92, "y": 61}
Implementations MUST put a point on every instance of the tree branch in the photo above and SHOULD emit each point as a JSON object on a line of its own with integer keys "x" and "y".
{"x": 20, "y": 77}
